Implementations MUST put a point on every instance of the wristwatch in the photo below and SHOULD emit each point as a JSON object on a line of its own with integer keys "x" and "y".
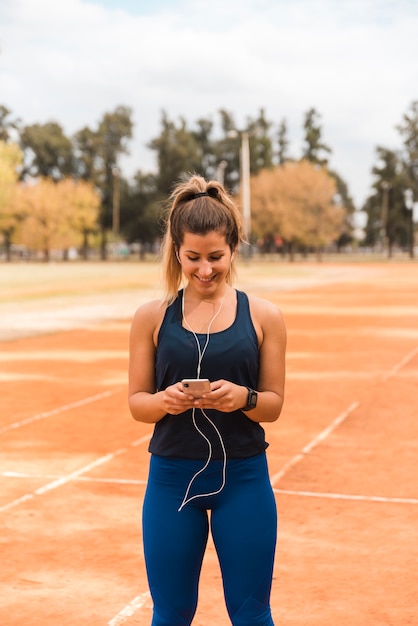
{"x": 251, "y": 400}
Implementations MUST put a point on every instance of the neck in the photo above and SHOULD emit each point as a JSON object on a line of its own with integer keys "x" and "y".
{"x": 197, "y": 298}
{"x": 206, "y": 323}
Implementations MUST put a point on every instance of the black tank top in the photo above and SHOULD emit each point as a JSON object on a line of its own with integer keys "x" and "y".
{"x": 231, "y": 354}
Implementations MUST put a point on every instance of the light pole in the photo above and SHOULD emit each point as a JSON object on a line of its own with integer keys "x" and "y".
{"x": 220, "y": 172}
{"x": 244, "y": 182}
{"x": 408, "y": 195}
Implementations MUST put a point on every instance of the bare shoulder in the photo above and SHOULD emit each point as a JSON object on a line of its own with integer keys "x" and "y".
{"x": 149, "y": 316}
{"x": 267, "y": 314}
{"x": 264, "y": 308}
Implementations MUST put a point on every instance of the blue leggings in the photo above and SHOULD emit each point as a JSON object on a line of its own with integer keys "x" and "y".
{"x": 243, "y": 524}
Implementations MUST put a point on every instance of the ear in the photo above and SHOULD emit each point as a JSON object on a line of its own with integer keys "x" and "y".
{"x": 177, "y": 255}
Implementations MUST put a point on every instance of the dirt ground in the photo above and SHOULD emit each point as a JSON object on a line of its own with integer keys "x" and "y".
{"x": 342, "y": 457}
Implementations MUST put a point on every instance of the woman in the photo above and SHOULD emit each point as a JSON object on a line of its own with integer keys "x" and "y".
{"x": 207, "y": 453}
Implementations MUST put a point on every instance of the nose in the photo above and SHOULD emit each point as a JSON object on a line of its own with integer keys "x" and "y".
{"x": 205, "y": 268}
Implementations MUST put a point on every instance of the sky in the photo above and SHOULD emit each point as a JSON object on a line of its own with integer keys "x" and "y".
{"x": 354, "y": 61}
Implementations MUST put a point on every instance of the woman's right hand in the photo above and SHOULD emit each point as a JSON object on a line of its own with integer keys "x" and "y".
{"x": 175, "y": 401}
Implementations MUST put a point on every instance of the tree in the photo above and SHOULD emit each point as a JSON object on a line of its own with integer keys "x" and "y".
{"x": 282, "y": 142}
{"x": 261, "y": 146}
{"x": 87, "y": 155}
{"x": 344, "y": 199}
{"x": 56, "y": 213}
{"x": 7, "y": 125}
{"x": 409, "y": 132}
{"x": 81, "y": 202}
{"x": 385, "y": 207}
{"x": 314, "y": 147}
{"x": 97, "y": 154}
{"x": 208, "y": 161}
{"x": 142, "y": 207}
{"x": 115, "y": 131}
{"x": 178, "y": 152}
{"x": 47, "y": 151}
{"x": 296, "y": 201}
{"x": 228, "y": 148}
{"x": 10, "y": 161}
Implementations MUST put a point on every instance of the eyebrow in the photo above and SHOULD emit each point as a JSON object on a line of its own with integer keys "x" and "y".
{"x": 198, "y": 253}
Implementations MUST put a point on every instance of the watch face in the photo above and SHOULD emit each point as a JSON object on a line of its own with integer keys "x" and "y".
{"x": 253, "y": 399}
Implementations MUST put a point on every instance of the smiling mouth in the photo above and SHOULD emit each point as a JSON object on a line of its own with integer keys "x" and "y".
{"x": 205, "y": 280}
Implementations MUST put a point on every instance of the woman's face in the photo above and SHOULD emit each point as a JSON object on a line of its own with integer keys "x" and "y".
{"x": 205, "y": 260}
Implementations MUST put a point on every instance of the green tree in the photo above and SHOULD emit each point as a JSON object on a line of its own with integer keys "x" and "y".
{"x": 142, "y": 211}
{"x": 261, "y": 145}
{"x": 228, "y": 148}
{"x": 97, "y": 154}
{"x": 203, "y": 136}
{"x": 88, "y": 163}
{"x": 387, "y": 220}
{"x": 314, "y": 147}
{"x": 282, "y": 142}
{"x": 114, "y": 132}
{"x": 409, "y": 132}
{"x": 178, "y": 152}
{"x": 48, "y": 152}
{"x": 344, "y": 199}
{"x": 7, "y": 125}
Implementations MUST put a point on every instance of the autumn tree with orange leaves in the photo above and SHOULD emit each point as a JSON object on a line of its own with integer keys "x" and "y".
{"x": 10, "y": 160}
{"x": 296, "y": 202}
{"x": 57, "y": 215}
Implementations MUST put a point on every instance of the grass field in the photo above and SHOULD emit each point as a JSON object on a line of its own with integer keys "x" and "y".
{"x": 342, "y": 457}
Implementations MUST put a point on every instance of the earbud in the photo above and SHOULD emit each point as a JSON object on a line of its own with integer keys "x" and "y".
{"x": 178, "y": 256}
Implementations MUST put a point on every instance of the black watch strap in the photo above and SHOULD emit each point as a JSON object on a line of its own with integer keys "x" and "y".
{"x": 251, "y": 400}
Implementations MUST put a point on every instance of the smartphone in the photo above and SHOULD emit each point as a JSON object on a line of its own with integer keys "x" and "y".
{"x": 196, "y": 386}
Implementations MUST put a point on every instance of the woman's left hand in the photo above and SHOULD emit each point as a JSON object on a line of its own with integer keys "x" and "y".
{"x": 224, "y": 396}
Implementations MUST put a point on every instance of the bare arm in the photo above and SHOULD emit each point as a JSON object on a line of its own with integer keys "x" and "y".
{"x": 272, "y": 362}
{"x": 145, "y": 402}
{"x": 227, "y": 396}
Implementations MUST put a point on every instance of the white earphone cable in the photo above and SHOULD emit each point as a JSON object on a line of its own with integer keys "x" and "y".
{"x": 201, "y": 353}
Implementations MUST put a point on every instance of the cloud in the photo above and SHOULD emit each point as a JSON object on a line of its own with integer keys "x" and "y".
{"x": 355, "y": 62}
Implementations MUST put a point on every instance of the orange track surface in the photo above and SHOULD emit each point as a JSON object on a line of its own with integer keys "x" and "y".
{"x": 342, "y": 457}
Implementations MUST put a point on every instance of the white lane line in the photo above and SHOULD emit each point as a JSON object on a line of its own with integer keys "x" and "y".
{"x": 78, "y": 356}
{"x": 73, "y": 475}
{"x": 315, "y": 441}
{"x": 60, "y": 409}
{"x": 395, "y": 369}
{"x": 130, "y": 609}
{"x": 138, "y": 602}
{"x": 344, "y": 496}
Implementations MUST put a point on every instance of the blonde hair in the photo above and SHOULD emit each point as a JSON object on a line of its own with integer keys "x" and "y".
{"x": 190, "y": 211}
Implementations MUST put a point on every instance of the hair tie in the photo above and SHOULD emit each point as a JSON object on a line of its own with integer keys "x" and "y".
{"x": 198, "y": 195}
